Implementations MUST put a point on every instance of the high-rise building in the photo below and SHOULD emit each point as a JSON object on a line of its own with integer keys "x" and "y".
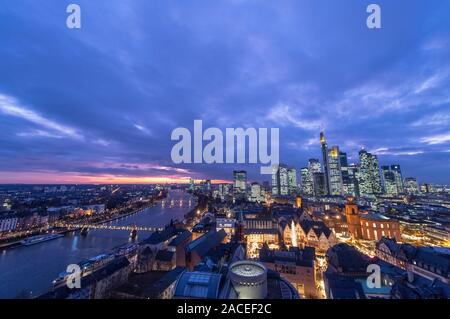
{"x": 370, "y": 183}
{"x": 324, "y": 146}
{"x": 319, "y": 183}
{"x": 392, "y": 179}
{"x": 354, "y": 174}
{"x": 334, "y": 177}
{"x": 292, "y": 181}
{"x": 349, "y": 180}
{"x": 348, "y": 173}
{"x": 280, "y": 180}
{"x": 224, "y": 190}
{"x": 240, "y": 182}
{"x": 411, "y": 186}
{"x": 343, "y": 159}
{"x": 398, "y": 178}
{"x": 256, "y": 193}
{"x": 426, "y": 188}
{"x": 314, "y": 166}
{"x": 390, "y": 186}
{"x": 307, "y": 183}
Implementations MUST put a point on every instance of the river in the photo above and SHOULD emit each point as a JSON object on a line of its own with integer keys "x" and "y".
{"x": 32, "y": 269}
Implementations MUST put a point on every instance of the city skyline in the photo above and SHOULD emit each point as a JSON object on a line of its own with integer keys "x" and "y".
{"x": 87, "y": 109}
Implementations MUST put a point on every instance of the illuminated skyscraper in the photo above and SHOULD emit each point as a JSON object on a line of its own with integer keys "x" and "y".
{"x": 319, "y": 182}
{"x": 334, "y": 177}
{"x": 307, "y": 184}
{"x": 349, "y": 179}
{"x": 370, "y": 181}
{"x": 280, "y": 180}
{"x": 392, "y": 179}
{"x": 240, "y": 182}
{"x": 426, "y": 188}
{"x": 314, "y": 166}
{"x": 398, "y": 178}
{"x": 256, "y": 193}
{"x": 324, "y": 145}
{"x": 390, "y": 187}
{"x": 292, "y": 181}
{"x": 411, "y": 186}
{"x": 351, "y": 184}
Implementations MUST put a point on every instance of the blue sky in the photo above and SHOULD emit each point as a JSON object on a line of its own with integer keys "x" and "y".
{"x": 100, "y": 103}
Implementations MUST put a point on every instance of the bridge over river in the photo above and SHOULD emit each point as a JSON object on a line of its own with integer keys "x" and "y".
{"x": 31, "y": 270}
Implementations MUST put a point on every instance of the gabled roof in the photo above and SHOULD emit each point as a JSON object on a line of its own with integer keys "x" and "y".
{"x": 318, "y": 227}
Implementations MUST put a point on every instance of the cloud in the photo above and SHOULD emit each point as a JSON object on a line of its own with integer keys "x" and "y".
{"x": 38, "y": 133}
{"x": 436, "y": 139}
{"x": 283, "y": 114}
{"x": 439, "y": 119}
{"x": 396, "y": 151}
{"x": 9, "y": 106}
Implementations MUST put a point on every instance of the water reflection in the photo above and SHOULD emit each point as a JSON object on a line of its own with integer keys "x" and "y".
{"x": 33, "y": 268}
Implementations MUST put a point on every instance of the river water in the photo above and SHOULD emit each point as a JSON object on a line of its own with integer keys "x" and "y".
{"x": 32, "y": 269}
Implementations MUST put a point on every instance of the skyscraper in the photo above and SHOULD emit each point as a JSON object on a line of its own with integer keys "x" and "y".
{"x": 314, "y": 165}
{"x": 392, "y": 179}
{"x": 324, "y": 145}
{"x": 334, "y": 177}
{"x": 370, "y": 183}
{"x": 240, "y": 182}
{"x": 349, "y": 179}
{"x": 351, "y": 185}
{"x": 319, "y": 182}
{"x": 292, "y": 181}
{"x": 411, "y": 186}
{"x": 256, "y": 194}
{"x": 306, "y": 179}
{"x": 398, "y": 178}
{"x": 280, "y": 180}
{"x": 390, "y": 186}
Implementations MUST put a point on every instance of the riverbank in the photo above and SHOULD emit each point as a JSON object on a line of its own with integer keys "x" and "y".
{"x": 29, "y": 271}
{"x": 63, "y": 230}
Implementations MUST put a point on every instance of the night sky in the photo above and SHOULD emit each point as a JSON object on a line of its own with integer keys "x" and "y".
{"x": 99, "y": 104}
